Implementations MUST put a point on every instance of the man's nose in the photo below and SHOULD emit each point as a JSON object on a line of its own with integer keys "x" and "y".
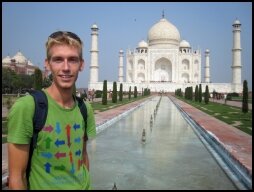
{"x": 66, "y": 64}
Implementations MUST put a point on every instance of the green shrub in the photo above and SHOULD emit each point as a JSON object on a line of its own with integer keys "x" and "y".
{"x": 104, "y": 93}
{"x": 98, "y": 94}
{"x": 245, "y": 107}
{"x": 121, "y": 92}
{"x": 135, "y": 92}
{"x": 114, "y": 96}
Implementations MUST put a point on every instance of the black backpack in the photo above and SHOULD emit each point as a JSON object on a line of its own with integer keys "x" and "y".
{"x": 39, "y": 119}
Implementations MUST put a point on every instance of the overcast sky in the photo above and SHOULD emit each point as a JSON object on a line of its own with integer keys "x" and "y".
{"x": 26, "y": 27}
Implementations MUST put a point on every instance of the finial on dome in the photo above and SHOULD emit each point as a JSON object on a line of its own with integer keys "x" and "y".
{"x": 163, "y": 13}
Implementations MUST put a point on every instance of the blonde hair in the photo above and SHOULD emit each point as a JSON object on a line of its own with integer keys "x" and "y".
{"x": 64, "y": 38}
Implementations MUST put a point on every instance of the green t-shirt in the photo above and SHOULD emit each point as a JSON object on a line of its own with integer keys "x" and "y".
{"x": 57, "y": 161}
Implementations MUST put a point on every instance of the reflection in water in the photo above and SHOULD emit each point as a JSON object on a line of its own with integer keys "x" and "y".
{"x": 172, "y": 156}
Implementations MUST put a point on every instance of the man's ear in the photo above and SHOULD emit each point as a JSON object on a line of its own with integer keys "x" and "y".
{"x": 46, "y": 64}
{"x": 82, "y": 65}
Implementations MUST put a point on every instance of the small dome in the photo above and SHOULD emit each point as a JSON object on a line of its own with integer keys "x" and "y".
{"x": 207, "y": 51}
{"x": 120, "y": 51}
{"x": 94, "y": 26}
{"x": 20, "y": 58}
{"x": 6, "y": 60}
{"x": 30, "y": 63}
{"x": 142, "y": 44}
{"x": 185, "y": 44}
{"x": 163, "y": 32}
{"x": 237, "y": 22}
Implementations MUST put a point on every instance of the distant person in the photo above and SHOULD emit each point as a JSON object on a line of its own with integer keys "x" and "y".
{"x": 85, "y": 95}
{"x": 60, "y": 160}
{"x": 92, "y": 94}
{"x": 89, "y": 94}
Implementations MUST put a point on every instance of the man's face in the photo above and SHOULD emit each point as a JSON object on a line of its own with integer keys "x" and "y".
{"x": 64, "y": 65}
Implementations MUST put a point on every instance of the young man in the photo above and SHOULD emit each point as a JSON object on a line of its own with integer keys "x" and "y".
{"x": 60, "y": 160}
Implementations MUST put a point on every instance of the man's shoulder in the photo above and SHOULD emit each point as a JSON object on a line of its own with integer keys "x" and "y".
{"x": 23, "y": 106}
{"x": 79, "y": 99}
{"x": 25, "y": 100}
{"x": 88, "y": 107}
{"x": 87, "y": 104}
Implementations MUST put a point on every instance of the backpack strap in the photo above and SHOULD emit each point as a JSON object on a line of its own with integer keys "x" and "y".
{"x": 39, "y": 119}
{"x": 83, "y": 110}
{"x": 40, "y": 113}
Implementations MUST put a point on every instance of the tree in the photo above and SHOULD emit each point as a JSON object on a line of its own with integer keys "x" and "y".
{"x": 178, "y": 92}
{"x": 245, "y": 107}
{"x": 145, "y": 92}
{"x": 200, "y": 94}
{"x": 9, "y": 103}
{"x": 6, "y": 78}
{"x": 37, "y": 79}
{"x": 206, "y": 94}
{"x": 191, "y": 93}
{"x": 26, "y": 81}
{"x": 129, "y": 93}
{"x": 83, "y": 95}
{"x": 17, "y": 83}
{"x": 135, "y": 92}
{"x": 187, "y": 93}
{"x": 121, "y": 92}
{"x": 47, "y": 81}
{"x": 14, "y": 83}
{"x": 9, "y": 80}
{"x": 114, "y": 96}
{"x": 196, "y": 93}
{"x": 104, "y": 93}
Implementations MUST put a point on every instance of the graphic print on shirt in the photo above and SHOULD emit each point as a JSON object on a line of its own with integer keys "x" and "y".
{"x": 66, "y": 144}
{"x": 68, "y": 132}
{"x": 59, "y": 142}
{"x": 58, "y": 128}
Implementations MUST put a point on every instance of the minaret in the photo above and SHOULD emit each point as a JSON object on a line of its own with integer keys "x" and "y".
{"x": 120, "y": 67}
{"x": 236, "y": 64}
{"x": 94, "y": 66}
{"x": 207, "y": 66}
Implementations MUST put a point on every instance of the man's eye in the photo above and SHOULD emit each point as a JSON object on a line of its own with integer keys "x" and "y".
{"x": 73, "y": 60}
{"x": 58, "y": 60}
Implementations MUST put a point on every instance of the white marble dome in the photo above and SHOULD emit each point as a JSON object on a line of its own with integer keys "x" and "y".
{"x": 6, "y": 60}
{"x": 163, "y": 32}
{"x": 19, "y": 58}
{"x": 185, "y": 44}
{"x": 142, "y": 44}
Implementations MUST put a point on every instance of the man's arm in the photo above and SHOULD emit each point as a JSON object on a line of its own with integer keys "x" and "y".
{"x": 85, "y": 155}
{"x": 18, "y": 155}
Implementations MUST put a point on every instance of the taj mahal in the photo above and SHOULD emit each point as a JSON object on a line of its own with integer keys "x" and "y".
{"x": 165, "y": 62}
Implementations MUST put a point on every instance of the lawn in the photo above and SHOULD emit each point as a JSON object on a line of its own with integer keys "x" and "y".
{"x": 97, "y": 106}
{"x": 228, "y": 114}
{"x": 239, "y": 99}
